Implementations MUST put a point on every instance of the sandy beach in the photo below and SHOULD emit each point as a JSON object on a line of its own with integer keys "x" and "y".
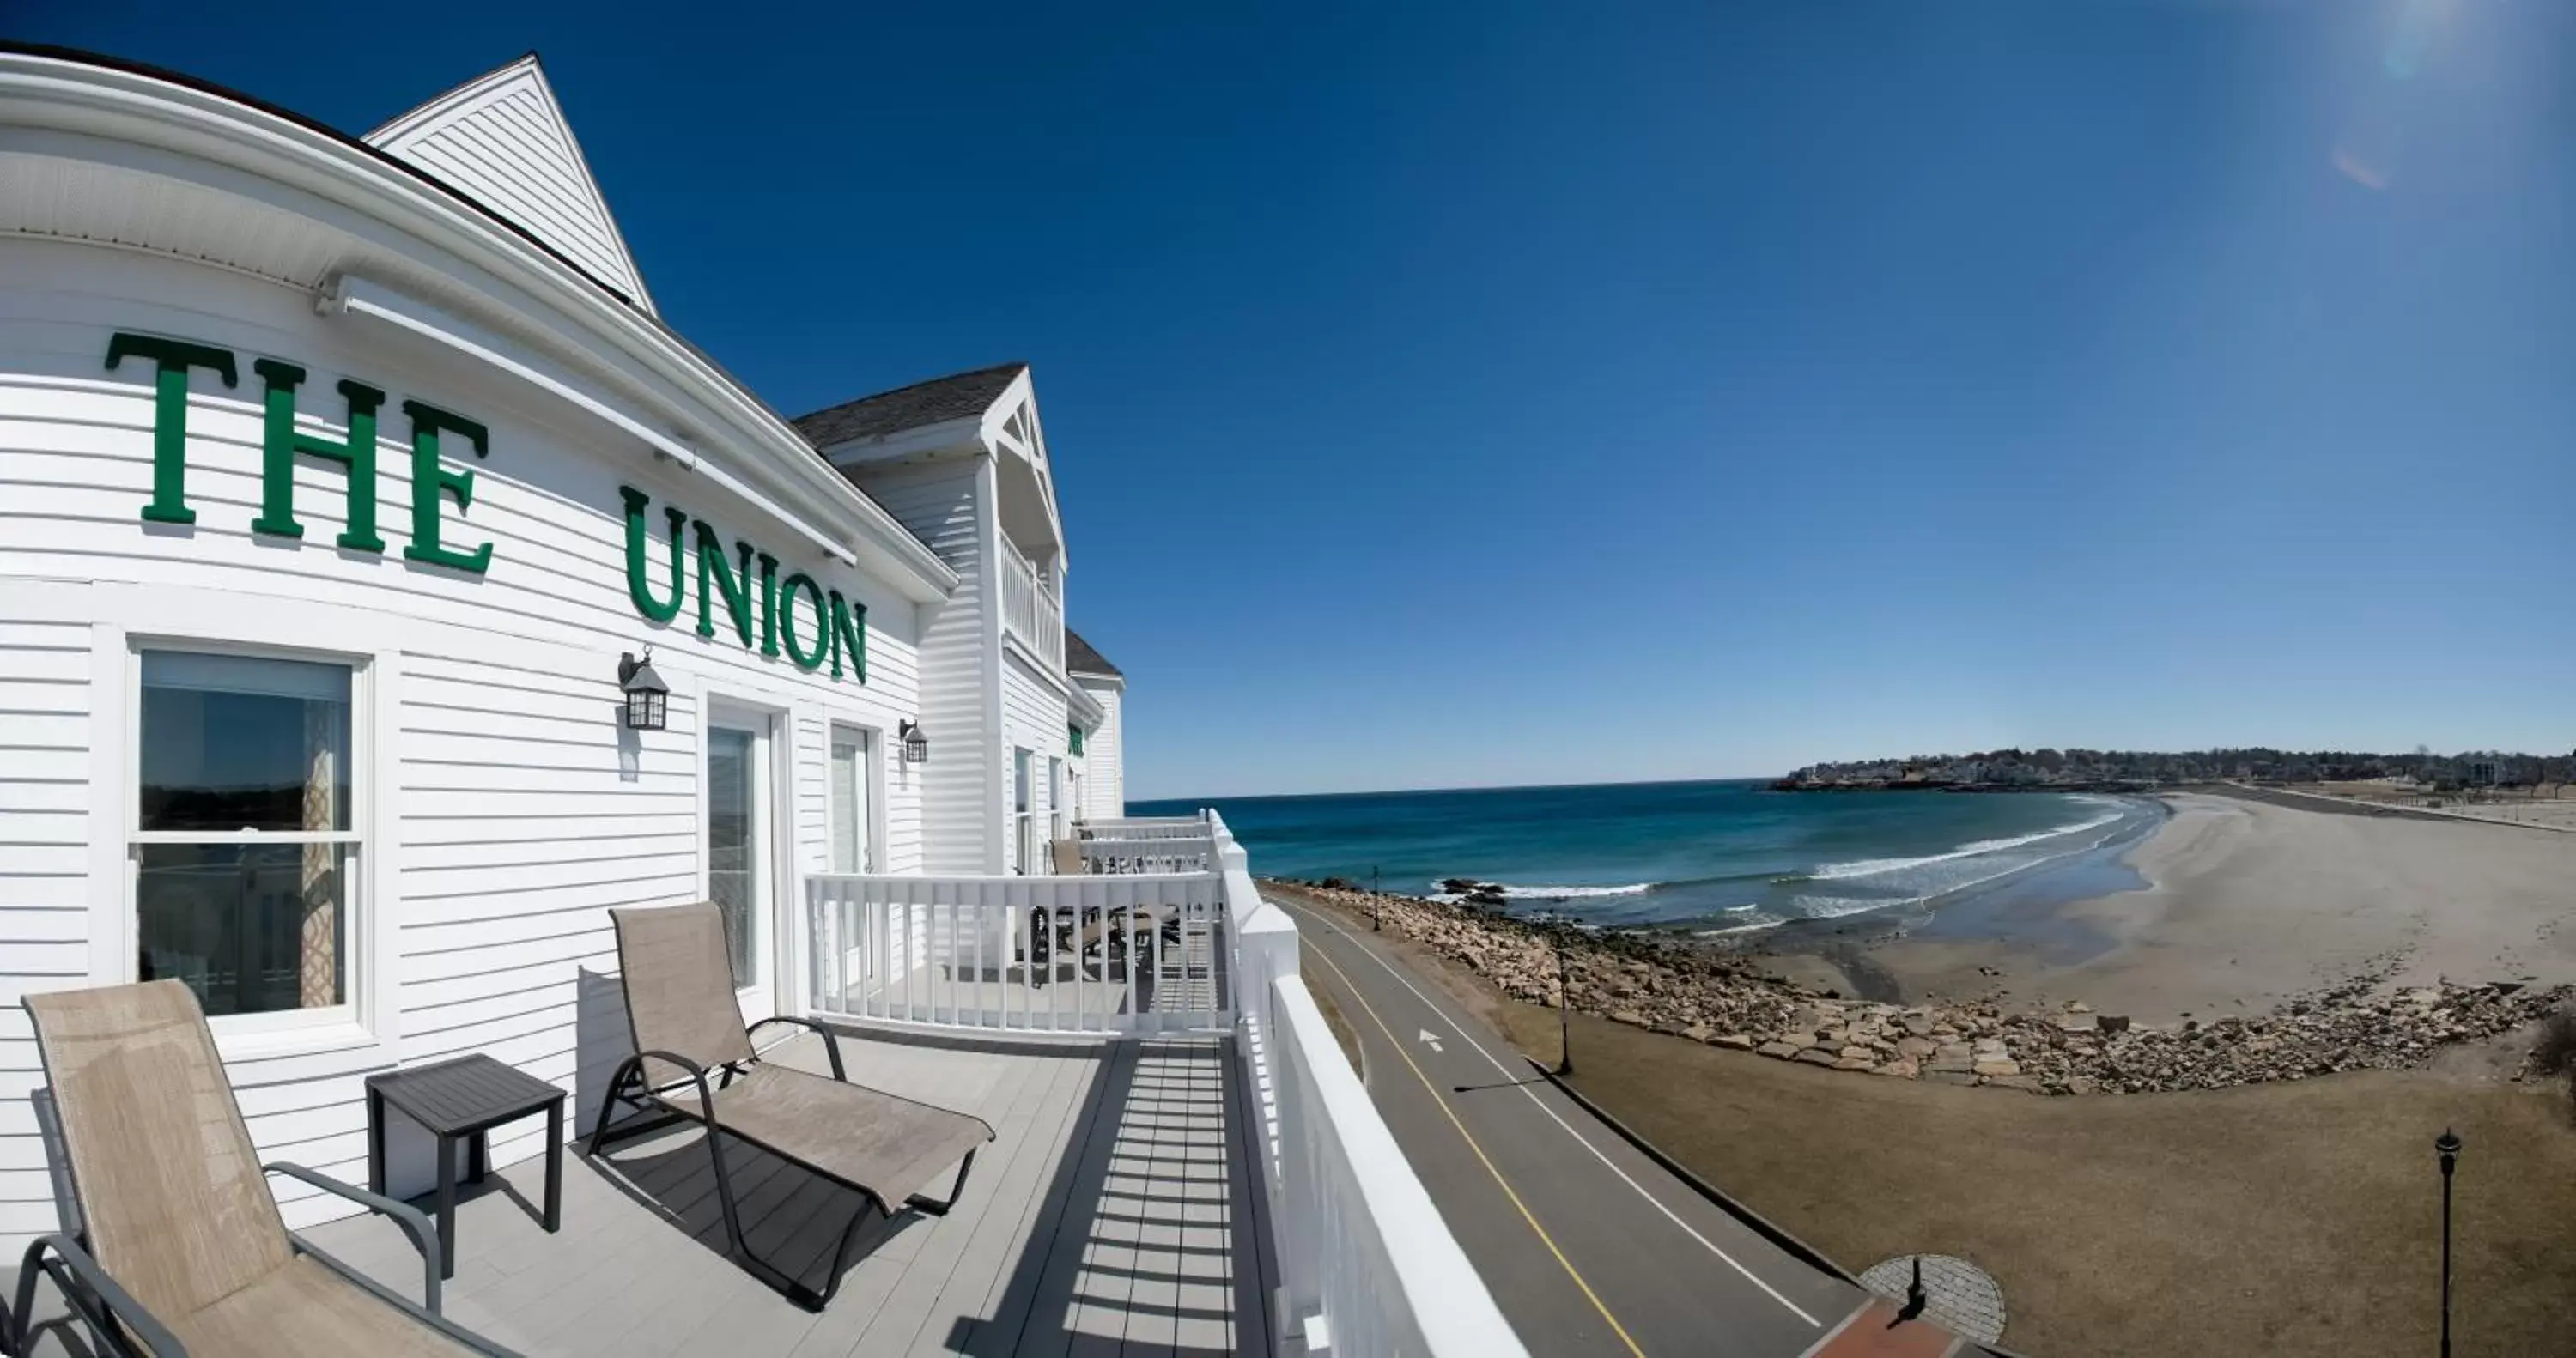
{"x": 2250, "y": 903}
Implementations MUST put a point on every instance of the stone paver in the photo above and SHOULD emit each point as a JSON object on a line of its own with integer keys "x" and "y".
{"x": 1961, "y": 1296}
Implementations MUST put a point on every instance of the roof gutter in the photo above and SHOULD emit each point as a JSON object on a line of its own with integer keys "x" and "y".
{"x": 356, "y": 297}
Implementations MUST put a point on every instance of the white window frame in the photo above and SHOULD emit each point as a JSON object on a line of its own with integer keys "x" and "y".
{"x": 1059, "y": 813}
{"x": 358, "y": 907}
{"x": 871, "y": 781}
{"x": 773, "y": 817}
{"x": 1024, "y": 775}
{"x": 126, "y": 618}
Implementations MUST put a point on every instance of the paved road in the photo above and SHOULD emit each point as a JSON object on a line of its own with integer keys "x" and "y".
{"x": 1589, "y": 1246}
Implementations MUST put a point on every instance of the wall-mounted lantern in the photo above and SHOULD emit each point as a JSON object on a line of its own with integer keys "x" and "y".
{"x": 916, "y": 743}
{"x": 648, "y": 699}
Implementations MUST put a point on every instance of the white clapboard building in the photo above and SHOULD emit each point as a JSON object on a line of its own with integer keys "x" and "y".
{"x": 387, "y": 592}
{"x": 330, "y": 726}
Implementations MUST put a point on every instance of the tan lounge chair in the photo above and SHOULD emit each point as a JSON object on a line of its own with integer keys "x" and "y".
{"x": 688, "y": 1030}
{"x": 182, "y": 1250}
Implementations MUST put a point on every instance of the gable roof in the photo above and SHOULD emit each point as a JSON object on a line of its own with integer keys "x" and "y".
{"x": 1080, "y": 658}
{"x": 502, "y": 140}
{"x": 959, "y": 396}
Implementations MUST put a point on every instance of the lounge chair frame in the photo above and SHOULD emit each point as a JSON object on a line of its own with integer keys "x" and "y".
{"x": 96, "y": 1299}
{"x": 630, "y": 1086}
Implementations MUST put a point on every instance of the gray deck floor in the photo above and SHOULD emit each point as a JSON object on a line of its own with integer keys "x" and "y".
{"x": 1115, "y": 1213}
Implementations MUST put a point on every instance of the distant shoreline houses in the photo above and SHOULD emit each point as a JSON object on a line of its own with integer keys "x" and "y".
{"x": 2077, "y": 770}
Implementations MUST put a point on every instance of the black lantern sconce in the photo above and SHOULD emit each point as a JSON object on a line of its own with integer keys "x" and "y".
{"x": 916, "y": 743}
{"x": 648, "y": 699}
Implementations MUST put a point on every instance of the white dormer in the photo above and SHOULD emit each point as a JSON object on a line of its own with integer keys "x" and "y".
{"x": 501, "y": 139}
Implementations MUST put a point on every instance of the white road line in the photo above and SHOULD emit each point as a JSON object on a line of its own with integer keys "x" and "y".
{"x": 1687, "y": 1229}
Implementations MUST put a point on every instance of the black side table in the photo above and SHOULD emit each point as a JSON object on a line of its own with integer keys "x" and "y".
{"x": 464, "y": 1097}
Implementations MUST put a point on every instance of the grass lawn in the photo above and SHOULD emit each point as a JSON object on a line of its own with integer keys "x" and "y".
{"x": 2297, "y": 1219}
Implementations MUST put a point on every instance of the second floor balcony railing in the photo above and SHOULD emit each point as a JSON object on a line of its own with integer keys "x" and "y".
{"x": 1031, "y": 612}
{"x": 1131, "y": 954}
{"x": 1364, "y": 1262}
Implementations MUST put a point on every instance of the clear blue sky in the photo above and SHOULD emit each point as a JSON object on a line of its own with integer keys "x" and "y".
{"x": 1524, "y": 393}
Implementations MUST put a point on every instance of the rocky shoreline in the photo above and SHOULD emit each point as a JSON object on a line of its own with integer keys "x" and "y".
{"x": 1656, "y": 982}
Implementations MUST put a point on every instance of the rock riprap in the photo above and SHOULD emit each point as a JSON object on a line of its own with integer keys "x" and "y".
{"x": 1670, "y": 986}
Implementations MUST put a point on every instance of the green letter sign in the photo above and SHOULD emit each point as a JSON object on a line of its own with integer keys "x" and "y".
{"x": 639, "y": 581}
{"x": 430, "y": 483}
{"x": 749, "y": 592}
{"x": 280, "y": 443}
{"x": 736, "y": 588}
{"x": 170, "y": 413}
{"x": 849, "y": 636}
{"x": 805, "y": 660}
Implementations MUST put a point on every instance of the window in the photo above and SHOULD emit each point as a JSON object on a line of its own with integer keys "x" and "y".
{"x": 1057, "y": 803}
{"x": 1020, "y": 811}
{"x": 1073, "y": 740}
{"x": 851, "y": 851}
{"x": 734, "y": 830}
{"x": 246, "y": 846}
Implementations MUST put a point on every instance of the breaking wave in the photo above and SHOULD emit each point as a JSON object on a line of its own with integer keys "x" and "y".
{"x": 1552, "y": 893}
{"x": 1877, "y": 867}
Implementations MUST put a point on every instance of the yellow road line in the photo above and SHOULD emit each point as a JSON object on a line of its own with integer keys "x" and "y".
{"x": 1505, "y": 1184}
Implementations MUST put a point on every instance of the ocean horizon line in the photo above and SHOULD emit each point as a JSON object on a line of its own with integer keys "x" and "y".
{"x": 1203, "y": 799}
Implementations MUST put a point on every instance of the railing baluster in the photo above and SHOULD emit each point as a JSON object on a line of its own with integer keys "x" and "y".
{"x": 1126, "y": 924}
{"x": 1055, "y": 993}
{"x": 872, "y": 1003}
{"x": 1139, "y": 951}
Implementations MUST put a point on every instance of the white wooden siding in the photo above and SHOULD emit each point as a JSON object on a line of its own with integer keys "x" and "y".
{"x": 525, "y": 812}
{"x": 1033, "y": 719}
{"x": 44, "y": 880}
{"x": 1105, "y": 776}
{"x": 945, "y": 504}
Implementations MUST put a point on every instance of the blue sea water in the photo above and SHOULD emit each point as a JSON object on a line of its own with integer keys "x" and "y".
{"x": 1713, "y": 857}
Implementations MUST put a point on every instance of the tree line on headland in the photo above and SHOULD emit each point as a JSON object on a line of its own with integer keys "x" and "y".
{"x": 2132, "y": 769}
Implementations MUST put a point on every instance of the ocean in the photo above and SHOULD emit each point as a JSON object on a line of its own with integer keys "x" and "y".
{"x": 1710, "y": 857}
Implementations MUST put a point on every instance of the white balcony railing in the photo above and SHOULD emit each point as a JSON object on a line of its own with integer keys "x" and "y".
{"x": 1031, "y": 611}
{"x": 1143, "y": 953}
{"x": 1150, "y": 827}
{"x": 1366, "y": 1265}
{"x": 1103, "y": 855}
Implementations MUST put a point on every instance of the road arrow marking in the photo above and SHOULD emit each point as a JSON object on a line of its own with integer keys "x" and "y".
{"x": 1430, "y": 1039}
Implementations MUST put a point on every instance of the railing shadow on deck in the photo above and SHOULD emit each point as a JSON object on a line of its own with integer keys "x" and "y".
{"x": 1147, "y": 1226}
{"x": 1104, "y": 1262}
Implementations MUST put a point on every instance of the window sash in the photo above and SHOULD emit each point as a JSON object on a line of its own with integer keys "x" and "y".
{"x": 351, "y": 870}
{"x": 245, "y": 837}
{"x": 357, "y": 935}
{"x": 847, "y": 763}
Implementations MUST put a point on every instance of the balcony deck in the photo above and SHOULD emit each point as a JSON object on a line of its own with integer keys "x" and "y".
{"x": 1115, "y": 1213}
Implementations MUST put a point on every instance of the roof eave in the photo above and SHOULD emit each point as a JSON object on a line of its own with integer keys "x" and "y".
{"x": 131, "y": 102}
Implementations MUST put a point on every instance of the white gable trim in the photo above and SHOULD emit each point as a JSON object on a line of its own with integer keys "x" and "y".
{"x": 479, "y": 138}
{"x": 996, "y": 433}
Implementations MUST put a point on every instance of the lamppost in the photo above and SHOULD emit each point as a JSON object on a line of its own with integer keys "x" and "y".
{"x": 2447, "y": 1146}
{"x": 1377, "y": 895}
